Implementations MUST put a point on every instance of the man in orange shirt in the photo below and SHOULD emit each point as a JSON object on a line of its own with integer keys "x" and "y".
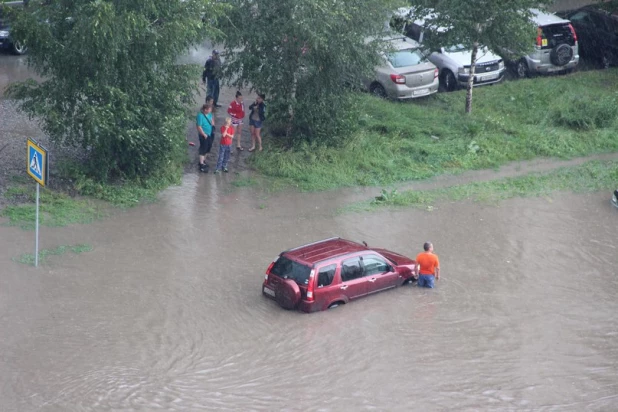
{"x": 429, "y": 266}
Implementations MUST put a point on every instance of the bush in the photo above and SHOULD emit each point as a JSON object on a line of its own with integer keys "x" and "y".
{"x": 585, "y": 112}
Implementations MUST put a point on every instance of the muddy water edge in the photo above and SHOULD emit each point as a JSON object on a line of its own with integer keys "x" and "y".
{"x": 166, "y": 312}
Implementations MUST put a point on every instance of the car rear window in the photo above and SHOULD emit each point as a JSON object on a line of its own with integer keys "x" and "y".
{"x": 288, "y": 269}
{"x": 407, "y": 57}
{"x": 555, "y": 34}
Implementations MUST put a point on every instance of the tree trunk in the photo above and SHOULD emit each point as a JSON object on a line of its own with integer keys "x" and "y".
{"x": 475, "y": 49}
{"x": 292, "y": 101}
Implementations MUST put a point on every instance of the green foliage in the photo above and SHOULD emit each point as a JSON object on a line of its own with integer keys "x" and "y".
{"x": 400, "y": 142}
{"x": 589, "y": 177}
{"x": 123, "y": 193}
{"x": 28, "y": 258}
{"x": 303, "y": 54}
{"x": 112, "y": 84}
{"x": 586, "y": 112}
{"x": 55, "y": 209}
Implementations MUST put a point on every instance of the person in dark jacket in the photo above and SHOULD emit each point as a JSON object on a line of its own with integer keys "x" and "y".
{"x": 257, "y": 116}
{"x": 211, "y": 75}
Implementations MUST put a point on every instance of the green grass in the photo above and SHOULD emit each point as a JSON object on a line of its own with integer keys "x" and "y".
{"x": 121, "y": 193}
{"x": 555, "y": 116}
{"x": 589, "y": 177}
{"x": 28, "y": 258}
{"x": 56, "y": 209}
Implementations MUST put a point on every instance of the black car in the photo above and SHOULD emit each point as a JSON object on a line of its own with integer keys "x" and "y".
{"x": 6, "y": 40}
{"x": 597, "y": 30}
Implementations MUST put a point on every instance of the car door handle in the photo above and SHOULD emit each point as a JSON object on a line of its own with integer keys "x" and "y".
{"x": 343, "y": 287}
{"x": 372, "y": 280}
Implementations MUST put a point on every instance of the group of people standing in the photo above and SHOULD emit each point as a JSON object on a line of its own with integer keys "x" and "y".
{"x": 232, "y": 129}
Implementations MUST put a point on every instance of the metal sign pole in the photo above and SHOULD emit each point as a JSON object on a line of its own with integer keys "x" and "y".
{"x": 36, "y": 229}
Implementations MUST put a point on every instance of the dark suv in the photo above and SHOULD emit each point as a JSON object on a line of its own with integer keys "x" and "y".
{"x": 331, "y": 272}
{"x": 597, "y": 30}
{"x": 7, "y": 42}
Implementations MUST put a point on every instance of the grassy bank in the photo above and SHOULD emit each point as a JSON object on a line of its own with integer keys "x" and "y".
{"x": 589, "y": 177}
{"x": 56, "y": 208}
{"x": 556, "y": 116}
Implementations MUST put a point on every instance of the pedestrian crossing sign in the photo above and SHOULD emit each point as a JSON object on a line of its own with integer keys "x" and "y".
{"x": 37, "y": 162}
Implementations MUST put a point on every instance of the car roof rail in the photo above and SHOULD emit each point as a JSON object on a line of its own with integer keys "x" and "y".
{"x": 314, "y": 243}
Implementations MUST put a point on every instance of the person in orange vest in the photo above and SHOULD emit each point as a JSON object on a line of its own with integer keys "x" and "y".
{"x": 429, "y": 266}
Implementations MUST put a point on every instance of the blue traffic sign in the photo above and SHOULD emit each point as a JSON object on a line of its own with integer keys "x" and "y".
{"x": 37, "y": 162}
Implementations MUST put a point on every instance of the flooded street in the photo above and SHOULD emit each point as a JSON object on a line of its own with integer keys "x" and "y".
{"x": 166, "y": 312}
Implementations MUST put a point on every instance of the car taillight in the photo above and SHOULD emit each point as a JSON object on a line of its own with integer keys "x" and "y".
{"x": 397, "y": 78}
{"x": 436, "y": 73}
{"x": 573, "y": 31}
{"x": 539, "y": 36}
{"x": 310, "y": 286}
{"x": 268, "y": 270}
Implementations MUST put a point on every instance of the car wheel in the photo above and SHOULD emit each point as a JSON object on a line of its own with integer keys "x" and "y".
{"x": 287, "y": 294}
{"x": 561, "y": 55}
{"x": 335, "y": 305}
{"x": 448, "y": 81}
{"x": 521, "y": 69}
{"x": 378, "y": 91}
{"x": 19, "y": 48}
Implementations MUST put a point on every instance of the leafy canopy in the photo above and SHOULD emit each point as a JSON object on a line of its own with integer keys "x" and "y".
{"x": 304, "y": 55}
{"x": 111, "y": 83}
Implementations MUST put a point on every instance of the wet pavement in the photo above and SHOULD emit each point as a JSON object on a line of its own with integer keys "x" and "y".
{"x": 166, "y": 313}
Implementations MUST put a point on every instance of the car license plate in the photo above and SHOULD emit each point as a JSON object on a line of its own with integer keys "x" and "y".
{"x": 492, "y": 76}
{"x": 420, "y": 92}
{"x": 269, "y": 292}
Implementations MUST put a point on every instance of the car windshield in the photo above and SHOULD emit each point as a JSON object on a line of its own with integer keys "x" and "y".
{"x": 289, "y": 269}
{"x": 407, "y": 57}
{"x": 456, "y": 48}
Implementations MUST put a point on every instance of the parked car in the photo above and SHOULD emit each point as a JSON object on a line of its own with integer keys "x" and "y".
{"x": 556, "y": 48}
{"x": 405, "y": 72}
{"x": 331, "y": 272}
{"x": 615, "y": 198}
{"x": 7, "y": 42}
{"x": 597, "y": 33}
{"x": 453, "y": 61}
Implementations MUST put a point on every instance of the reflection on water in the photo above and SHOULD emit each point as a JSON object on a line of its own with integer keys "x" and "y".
{"x": 166, "y": 313}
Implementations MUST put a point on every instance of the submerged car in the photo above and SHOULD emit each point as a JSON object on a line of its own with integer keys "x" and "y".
{"x": 405, "y": 72}
{"x": 332, "y": 272}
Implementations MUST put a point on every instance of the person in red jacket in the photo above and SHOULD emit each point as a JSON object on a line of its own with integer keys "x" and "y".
{"x": 237, "y": 111}
{"x": 227, "y": 133}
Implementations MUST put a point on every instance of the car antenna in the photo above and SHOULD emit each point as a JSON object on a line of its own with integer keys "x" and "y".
{"x": 365, "y": 243}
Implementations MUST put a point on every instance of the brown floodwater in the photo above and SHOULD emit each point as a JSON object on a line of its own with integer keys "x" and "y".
{"x": 166, "y": 312}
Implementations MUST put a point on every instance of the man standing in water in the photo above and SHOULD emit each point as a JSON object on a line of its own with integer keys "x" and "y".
{"x": 429, "y": 266}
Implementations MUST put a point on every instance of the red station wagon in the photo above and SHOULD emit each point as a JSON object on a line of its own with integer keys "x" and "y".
{"x": 331, "y": 272}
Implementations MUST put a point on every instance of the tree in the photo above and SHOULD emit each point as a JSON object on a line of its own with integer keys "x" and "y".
{"x": 304, "y": 55}
{"x": 111, "y": 82}
{"x": 503, "y": 26}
